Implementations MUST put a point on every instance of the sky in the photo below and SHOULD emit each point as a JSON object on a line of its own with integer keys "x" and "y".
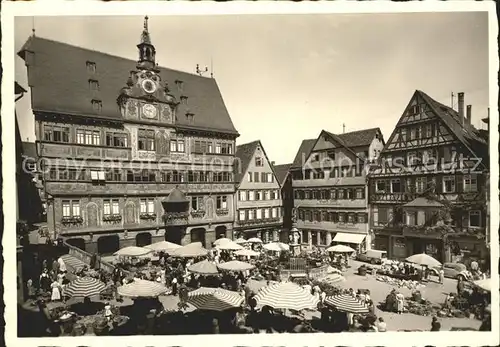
{"x": 284, "y": 78}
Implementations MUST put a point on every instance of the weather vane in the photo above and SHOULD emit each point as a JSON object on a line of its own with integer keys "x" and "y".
{"x": 200, "y": 72}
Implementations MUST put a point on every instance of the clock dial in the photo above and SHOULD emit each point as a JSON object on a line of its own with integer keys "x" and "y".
{"x": 149, "y": 111}
{"x": 149, "y": 86}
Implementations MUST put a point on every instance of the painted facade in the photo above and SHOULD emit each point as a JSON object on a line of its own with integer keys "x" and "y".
{"x": 142, "y": 165}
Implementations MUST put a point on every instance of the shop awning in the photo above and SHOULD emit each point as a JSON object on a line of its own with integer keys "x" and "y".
{"x": 349, "y": 238}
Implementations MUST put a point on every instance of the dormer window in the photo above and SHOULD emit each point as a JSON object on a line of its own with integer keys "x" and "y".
{"x": 91, "y": 67}
{"x": 179, "y": 84}
{"x": 415, "y": 109}
{"x": 93, "y": 85}
{"x": 259, "y": 161}
{"x": 96, "y": 105}
{"x": 190, "y": 117}
{"x": 184, "y": 99}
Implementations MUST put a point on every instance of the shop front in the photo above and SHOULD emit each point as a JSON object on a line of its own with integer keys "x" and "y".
{"x": 355, "y": 241}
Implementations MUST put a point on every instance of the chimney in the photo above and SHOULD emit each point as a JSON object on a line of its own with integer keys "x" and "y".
{"x": 272, "y": 163}
{"x": 469, "y": 114}
{"x": 461, "y": 107}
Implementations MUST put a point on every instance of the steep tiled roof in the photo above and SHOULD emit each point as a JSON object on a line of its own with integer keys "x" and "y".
{"x": 281, "y": 172}
{"x": 466, "y": 133}
{"x": 244, "y": 154}
{"x": 29, "y": 150}
{"x": 357, "y": 138}
{"x": 59, "y": 83}
{"x": 305, "y": 148}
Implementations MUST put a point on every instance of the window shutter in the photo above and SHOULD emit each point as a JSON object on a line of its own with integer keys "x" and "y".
{"x": 439, "y": 184}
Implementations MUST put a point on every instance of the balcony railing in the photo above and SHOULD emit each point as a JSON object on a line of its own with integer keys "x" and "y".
{"x": 173, "y": 218}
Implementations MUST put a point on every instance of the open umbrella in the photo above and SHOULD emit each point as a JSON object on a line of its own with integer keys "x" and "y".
{"x": 205, "y": 267}
{"x": 484, "y": 284}
{"x": 286, "y": 295}
{"x": 132, "y": 251}
{"x": 254, "y": 240}
{"x": 229, "y": 246}
{"x": 276, "y": 246}
{"x": 241, "y": 241}
{"x": 247, "y": 253}
{"x": 235, "y": 265}
{"x": 346, "y": 303}
{"x": 191, "y": 250}
{"x": 221, "y": 241}
{"x": 142, "y": 289}
{"x": 214, "y": 299}
{"x": 84, "y": 287}
{"x": 423, "y": 259}
{"x": 163, "y": 246}
{"x": 340, "y": 249}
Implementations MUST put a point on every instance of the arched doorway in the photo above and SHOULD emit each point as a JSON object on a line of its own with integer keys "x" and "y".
{"x": 174, "y": 234}
{"x": 220, "y": 232}
{"x": 143, "y": 239}
{"x": 198, "y": 235}
{"x": 78, "y": 242}
{"x": 108, "y": 244}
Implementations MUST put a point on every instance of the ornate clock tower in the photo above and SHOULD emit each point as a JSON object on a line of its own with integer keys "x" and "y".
{"x": 145, "y": 96}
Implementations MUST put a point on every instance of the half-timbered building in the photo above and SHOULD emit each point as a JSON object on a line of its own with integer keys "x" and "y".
{"x": 427, "y": 192}
{"x": 258, "y": 194}
{"x": 329, "y": 187}
{"x": 285, "y": 181}
{"x": 132, "y": 152}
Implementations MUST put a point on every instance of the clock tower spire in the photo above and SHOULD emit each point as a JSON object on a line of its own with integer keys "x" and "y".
{"x": 147, "y": 51}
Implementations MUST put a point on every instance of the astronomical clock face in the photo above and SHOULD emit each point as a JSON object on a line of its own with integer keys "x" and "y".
{"x": 149, "y": 86}
{"x": 149, "y": 111}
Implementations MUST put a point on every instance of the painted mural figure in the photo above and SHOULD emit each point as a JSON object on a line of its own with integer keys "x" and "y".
{"x": 92, "y": 215}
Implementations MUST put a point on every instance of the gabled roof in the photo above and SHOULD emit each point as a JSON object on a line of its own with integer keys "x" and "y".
{"x": 466, "y": 133}
{"x": 281, "y": 172}
{"x": 244, "y": 154}
{"x": 303, "y": 153}
{"x": 59, "y": 83}
{"x": 18, "y": 89}
{"x": 356, "y": 138}
{"x": 29, "y": 150}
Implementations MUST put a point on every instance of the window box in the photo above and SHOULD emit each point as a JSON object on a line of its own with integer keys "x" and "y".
{"x": 175, "y": 215}
{"x": 147, "y": 216}
{"x": 222, "y": 212}
{"x": 112, "y": 218}
{"x": 197, "y": 214}
{"x": 72, "y": 220}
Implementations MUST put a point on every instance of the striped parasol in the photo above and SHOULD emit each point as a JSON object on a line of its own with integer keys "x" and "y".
{"x": 74, "y": 263}
{"x": 346, "y": 303}
{"x": 214, "y": 299}
{"x": 204, "y": 267}
{"x": 286, "y": 295}
{"x": 235, "y": 265}
{"x": 84, "y": 287}
{"x": 142, "y": 289}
